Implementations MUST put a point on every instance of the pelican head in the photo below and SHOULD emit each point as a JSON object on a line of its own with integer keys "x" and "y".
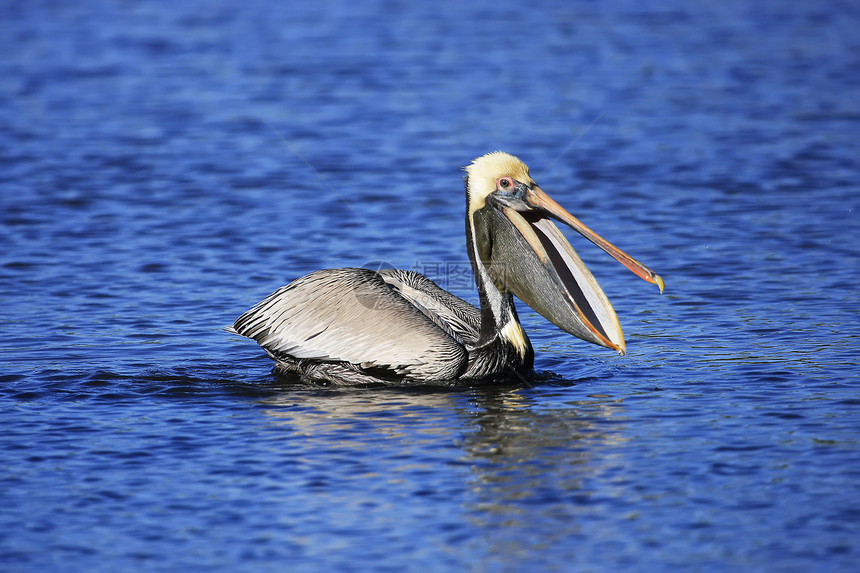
{"x": 524, "y": 253}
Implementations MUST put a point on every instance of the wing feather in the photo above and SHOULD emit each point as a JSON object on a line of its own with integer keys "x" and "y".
{"x": 453, "y": 314}
{"x": 352, "y": 315}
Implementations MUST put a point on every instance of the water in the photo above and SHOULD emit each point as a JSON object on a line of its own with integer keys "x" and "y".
{"x": 165, "y": 166}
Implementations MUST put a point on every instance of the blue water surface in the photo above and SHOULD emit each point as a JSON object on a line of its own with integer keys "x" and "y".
{"x": 165, "y": 165}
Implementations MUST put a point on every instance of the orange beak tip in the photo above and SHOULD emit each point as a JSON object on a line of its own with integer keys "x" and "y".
{"x": 658, "y": 280}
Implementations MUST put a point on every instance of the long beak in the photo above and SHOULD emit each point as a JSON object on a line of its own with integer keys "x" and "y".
{"x": 550, "y": 277}
{"x": 540, "y": 200}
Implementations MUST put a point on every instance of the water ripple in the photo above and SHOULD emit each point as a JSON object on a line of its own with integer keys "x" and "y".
{"x": 149, "y": 197}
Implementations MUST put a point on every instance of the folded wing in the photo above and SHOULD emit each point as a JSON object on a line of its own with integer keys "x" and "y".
{"x": 354, "y": 316}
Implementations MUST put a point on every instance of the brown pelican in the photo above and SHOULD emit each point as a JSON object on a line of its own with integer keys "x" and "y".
{"x": 358, "y": 325}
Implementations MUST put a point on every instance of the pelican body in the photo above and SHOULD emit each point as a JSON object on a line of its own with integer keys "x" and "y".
{"x": 353, "y": 325}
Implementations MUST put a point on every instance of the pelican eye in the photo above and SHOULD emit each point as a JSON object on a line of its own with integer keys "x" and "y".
{"x": 505, "y": 183}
